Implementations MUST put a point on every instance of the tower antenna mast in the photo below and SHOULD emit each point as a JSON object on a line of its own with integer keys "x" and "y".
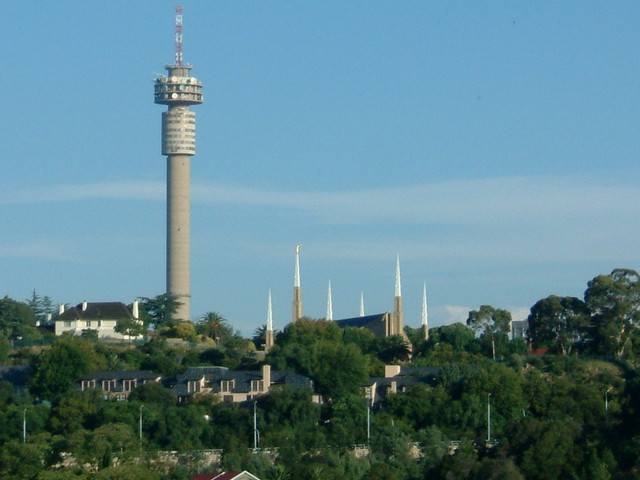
{"x": 179, "y": 35}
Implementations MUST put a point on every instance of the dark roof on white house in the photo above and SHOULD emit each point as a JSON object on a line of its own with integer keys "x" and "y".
{"x": 97, "y": 311}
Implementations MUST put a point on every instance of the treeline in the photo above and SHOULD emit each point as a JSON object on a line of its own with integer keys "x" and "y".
{"x": 553, "y": 416}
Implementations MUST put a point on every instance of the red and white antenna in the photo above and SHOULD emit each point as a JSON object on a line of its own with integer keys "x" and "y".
{"x": 179, "y": 35}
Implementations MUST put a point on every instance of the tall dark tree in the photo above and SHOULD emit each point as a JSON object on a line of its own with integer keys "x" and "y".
{"x": 160, "y": 310}
{"x": 614, "y": 302}
{"x": 557, "y": 322}
{"x": 42, "y": 306}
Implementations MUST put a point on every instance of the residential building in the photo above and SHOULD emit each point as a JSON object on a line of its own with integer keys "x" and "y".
{"x": 236, "y": 385}
{"x": 116, "y": 384}
{"x": 398, "y": 379}
{"x": 100, "y": 317}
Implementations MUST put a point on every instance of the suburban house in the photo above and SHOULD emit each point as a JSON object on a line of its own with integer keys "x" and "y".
{"x": 225, "y": 476}
{"x": 236, "y": 385}
{"x": 398, "y": 379}
{"x": 100, "y": 317}
{"x": 116, "y": 384}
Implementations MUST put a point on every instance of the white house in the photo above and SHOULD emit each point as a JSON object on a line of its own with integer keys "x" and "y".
{"x": 101, "y": 317}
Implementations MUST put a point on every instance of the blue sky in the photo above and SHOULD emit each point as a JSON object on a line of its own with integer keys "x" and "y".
{"x": 493, "y": 145}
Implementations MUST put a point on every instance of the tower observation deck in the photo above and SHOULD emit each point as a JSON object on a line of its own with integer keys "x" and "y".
{"x": 178, "y": 90}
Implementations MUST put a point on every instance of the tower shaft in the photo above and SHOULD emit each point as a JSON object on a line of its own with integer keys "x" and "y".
{"x": 178, "y": 232}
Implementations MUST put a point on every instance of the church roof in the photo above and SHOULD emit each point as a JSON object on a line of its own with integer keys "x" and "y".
{"x": 361, "y": 322}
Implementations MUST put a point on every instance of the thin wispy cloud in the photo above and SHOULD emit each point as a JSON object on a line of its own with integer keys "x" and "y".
{"x": 131, "y": 190}
{"x": 39, "y": 249}
{"x": 474, "y": 201}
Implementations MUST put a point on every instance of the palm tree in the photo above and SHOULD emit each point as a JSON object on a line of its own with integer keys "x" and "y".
{"x": 214, "y": 326}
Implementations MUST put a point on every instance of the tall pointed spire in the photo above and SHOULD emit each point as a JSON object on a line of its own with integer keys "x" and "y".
{"x": 397, "y": 325}
{"x": 296, "y": 273}
{"x": 269, "y": 313}
{"x": 297, "y": 291}
{"x": 268, "y": 334}
{"x": 361, "y": 304}
{"x": 425, "y": 314}
{"x": 398, "y": 283}
{"x": 329, "y": 303}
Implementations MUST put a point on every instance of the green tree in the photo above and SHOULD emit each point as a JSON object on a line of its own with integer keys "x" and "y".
{"x": 55, "y": 369}
{"x": 159, "y": 310}
{"x": 338, "y": 369}
{"x": 488, "y": 319}
{"x": 557, "y": 322}
{"x": 17, "y": 320}
{"x": 215, "y": 326}
{"x": 130, "y": 327}
{"x": 614, "y": 302}
{"x": 42, "y": 307}
{"x": 492, "y": 324}
{"x": 153, "y": 392}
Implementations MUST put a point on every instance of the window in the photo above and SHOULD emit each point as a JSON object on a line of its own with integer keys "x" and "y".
{"x": 227, "y": 385}
{"x": 128, "y": 385}
{"x": 87, "y": 384}
{"x": 257, "y": 385}
{"x": 108, "y": 385}
{"x": 193, "y": 386}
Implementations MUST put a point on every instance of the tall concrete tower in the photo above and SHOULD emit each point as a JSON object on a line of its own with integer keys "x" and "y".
{"x": 178, "y": 89}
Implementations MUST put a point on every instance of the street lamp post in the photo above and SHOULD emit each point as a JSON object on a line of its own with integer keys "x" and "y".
{"x": 140, "y": 425}
{"x": 488, "y": 418}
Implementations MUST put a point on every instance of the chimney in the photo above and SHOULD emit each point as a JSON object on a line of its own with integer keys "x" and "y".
{"x": 84, "y": 305}
{"x": 391, "y": 370}
{"x": 61, "y": 309}
{"x": 136, "y": 311}
{"x": 266, "y": 377}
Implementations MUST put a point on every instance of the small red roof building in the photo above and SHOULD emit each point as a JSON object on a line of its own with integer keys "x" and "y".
{"x": 225, "y": 476}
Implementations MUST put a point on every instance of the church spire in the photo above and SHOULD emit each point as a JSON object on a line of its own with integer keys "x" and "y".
{"x": 297, "y": 291}
{"x": 397, "y": 326}
{"x": 398, "y": 284}
{"x": 268, "y": 334}
{"x": 425, "y": 314}
{"x": 329, "y": 303}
